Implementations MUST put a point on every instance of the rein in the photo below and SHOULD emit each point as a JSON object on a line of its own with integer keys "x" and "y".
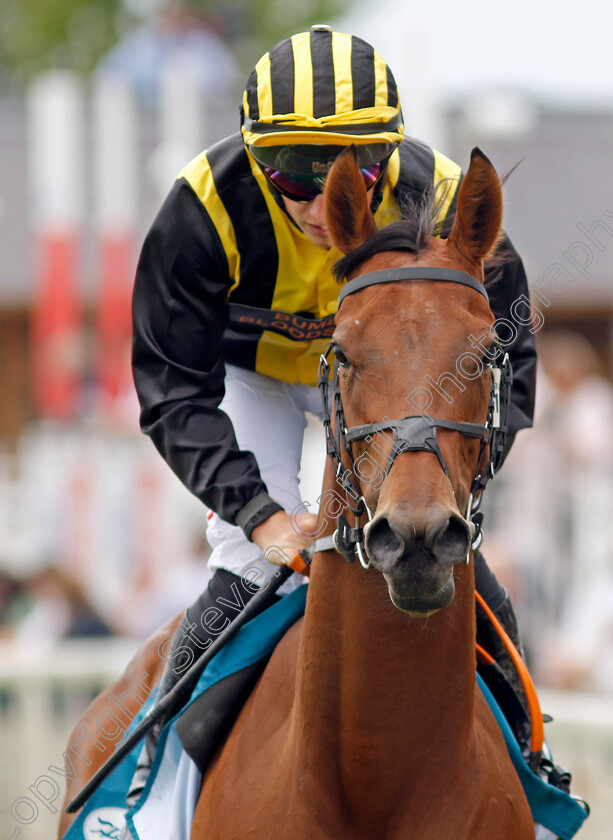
{"x": 416, "y": 433}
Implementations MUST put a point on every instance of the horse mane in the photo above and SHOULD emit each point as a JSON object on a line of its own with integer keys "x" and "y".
{"x": 412, "y": 233}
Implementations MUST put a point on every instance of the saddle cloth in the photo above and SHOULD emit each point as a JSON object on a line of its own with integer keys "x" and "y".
{"x": 166, "y": 807}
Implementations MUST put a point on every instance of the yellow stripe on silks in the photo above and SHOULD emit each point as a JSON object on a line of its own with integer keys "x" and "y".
{"x": 393, "y": 169}
{"x": 341, "y": 57}
{"x": 380, "y": 80}
{"x": 303, "y": 73}
{"x": 198, "y": 174}
{"x": 290, "y": 361}
{"x": 388, "y": 210}
{"x": 317, "y": 291}
{"x": 446, "y": 178}
{"x": 246, "y": 104}
{"x": 262, "y": 69}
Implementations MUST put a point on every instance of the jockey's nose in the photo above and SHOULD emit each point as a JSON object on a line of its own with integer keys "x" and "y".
{"x": 316, "y": 211}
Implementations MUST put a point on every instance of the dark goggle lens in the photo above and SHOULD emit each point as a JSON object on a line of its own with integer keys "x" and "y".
{"x": 308, "y": 187}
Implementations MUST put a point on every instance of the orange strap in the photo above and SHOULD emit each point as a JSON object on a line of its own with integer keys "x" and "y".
{"x": 537, "y": 735}
{"x": 484, "y": 656}
{"x": 298, "y": 564}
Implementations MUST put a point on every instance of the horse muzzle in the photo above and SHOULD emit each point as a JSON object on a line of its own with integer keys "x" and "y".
{"x": 417, "y": 562}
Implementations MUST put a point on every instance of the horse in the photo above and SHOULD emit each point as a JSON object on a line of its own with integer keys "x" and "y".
{"x": 367, "y": 722}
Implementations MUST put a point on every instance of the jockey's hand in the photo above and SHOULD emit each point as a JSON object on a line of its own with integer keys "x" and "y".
{"x": 281, "y": 537}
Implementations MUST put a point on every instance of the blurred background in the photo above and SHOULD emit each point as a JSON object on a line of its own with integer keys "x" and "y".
{"x": 102, "y": 102}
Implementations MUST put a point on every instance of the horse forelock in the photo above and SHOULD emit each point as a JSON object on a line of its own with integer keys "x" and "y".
{"x": 395, "y": 237}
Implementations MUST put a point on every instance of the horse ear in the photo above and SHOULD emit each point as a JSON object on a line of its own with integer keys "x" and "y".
{"x": 347, "y": 210}
{"x": 478, "y": 219}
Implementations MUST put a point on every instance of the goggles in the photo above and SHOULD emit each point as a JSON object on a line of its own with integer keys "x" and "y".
{"x": 304, "y": 188}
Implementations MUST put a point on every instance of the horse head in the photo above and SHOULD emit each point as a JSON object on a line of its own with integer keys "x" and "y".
{"x": 418, "y": 349}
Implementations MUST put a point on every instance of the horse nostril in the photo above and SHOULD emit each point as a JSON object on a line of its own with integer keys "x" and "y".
{"x": 383, "y": 544}
{"x": 453, "y": 541}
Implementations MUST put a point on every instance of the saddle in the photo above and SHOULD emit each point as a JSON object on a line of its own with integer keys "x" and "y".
{"x": 189, "y": 742}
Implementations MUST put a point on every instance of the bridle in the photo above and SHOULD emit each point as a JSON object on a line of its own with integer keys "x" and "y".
{"x": 416, "y": 433}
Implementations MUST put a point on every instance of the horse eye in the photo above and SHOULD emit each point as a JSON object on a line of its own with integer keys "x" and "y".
{"x": 340, "y": 356}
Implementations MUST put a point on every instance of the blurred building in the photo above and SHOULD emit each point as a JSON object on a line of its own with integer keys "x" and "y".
{"x": 558, "y": 201}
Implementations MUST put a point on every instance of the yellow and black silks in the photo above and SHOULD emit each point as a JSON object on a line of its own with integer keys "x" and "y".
{"x": 271, "y": 264}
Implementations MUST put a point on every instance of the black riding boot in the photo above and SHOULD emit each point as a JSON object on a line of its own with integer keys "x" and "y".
{"x": 226, "y": 594}
{"x": 497, "y": 599}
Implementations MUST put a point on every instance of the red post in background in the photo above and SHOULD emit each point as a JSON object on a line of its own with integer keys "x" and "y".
{"x": 113, "y": 321}
{"x": 56, "y": 327}
{"x": 55, "y": 141}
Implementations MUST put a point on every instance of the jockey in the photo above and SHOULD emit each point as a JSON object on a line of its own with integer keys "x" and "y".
{"x": 241, "y": 242}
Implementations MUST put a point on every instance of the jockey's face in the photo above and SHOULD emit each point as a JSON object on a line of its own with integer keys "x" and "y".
{"x": 309, "y": 216}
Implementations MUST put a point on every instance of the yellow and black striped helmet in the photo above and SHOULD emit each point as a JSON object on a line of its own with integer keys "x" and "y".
{"x": 320, "y": 88}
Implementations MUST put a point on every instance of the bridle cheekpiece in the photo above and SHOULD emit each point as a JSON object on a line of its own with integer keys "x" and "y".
{"x": 416, "y": 433}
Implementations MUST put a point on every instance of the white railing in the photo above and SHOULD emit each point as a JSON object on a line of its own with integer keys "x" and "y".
{"x": 44, "y": 690}
{"x": 581, "y": 739}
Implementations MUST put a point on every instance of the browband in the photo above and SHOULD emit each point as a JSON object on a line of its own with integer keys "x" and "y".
{"x": 412, "y": 272}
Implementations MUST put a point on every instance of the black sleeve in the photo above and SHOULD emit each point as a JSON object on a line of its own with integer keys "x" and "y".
{"x": 179, "y": 316}
{"x": 509, "y": 299}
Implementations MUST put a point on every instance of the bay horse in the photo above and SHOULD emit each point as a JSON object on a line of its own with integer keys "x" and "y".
{"x": 367, "y": 723}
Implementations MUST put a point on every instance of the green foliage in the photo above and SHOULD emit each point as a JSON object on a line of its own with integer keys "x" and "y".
{"x": 40, "y": 34}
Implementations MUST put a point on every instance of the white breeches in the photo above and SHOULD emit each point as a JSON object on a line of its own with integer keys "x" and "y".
{"x": 269, "y": 418}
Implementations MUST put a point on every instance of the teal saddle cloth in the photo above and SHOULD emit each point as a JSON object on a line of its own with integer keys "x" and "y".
{"x": 555, "y": 812}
